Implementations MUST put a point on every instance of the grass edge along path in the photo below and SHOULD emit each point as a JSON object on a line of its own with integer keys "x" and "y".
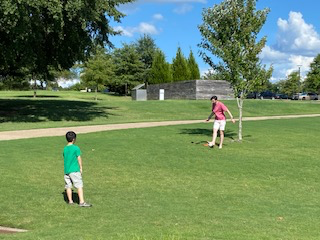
{"x": 50, "y": 132}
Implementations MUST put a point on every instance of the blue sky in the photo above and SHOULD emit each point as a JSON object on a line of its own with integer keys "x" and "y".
{"x": 292, "y": 30}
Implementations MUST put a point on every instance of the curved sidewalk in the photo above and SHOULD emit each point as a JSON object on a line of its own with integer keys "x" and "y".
{"x": 51, "y": 132}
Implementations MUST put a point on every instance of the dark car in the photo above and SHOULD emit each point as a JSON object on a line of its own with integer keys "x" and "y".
{"x": 281, "y": 96}
{"x": 267, "y": 95}
{"x": 253, "y": 95}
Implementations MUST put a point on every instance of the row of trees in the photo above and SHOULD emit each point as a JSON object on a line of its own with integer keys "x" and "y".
{"x": 139, "y": 62}
{"x": 293, "y": 84}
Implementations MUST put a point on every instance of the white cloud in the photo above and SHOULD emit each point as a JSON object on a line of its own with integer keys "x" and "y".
{"x": 124, "y": 32}
{"x": 295, "y": 35}
{"x": 157, "y": 16}
{"x": 270, "y": 55}
{"x": 183, "y": 8}
{"x": 296, "y": 46}
{"x": 144, "y": 28}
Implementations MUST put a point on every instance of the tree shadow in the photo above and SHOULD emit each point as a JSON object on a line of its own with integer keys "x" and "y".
{"x": 75, "y": 197}
{"x": 208, "y": 132}
{"x": 16, "y": 110}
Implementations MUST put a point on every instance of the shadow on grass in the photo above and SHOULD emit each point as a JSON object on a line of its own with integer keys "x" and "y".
{"x": 75, "y": 197}
{"x": 208, "y": 132}
{"x": 16, "y": 110}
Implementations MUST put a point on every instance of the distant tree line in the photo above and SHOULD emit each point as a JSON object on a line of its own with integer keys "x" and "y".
{"x": 292, "y": 84}
{"x": 139, "y": 62}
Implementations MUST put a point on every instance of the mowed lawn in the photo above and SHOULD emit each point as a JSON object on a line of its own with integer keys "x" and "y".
{"x": 161, "y": 183}
{"x": 18, "y": 110}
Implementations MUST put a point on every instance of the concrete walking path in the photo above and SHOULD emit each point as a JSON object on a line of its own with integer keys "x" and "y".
{"x": 51, "y": 132}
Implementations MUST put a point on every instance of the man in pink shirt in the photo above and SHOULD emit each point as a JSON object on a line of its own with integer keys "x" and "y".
{"x": 218, "y": 109}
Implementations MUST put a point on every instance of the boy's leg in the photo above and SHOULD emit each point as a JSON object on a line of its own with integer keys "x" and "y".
{"x": 69, "y": 194}
{"x": 80, "y": 194}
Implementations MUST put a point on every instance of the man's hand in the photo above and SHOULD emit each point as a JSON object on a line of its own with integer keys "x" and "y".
{"x": 233, "y": 121}
{"x": 207, "y": 120}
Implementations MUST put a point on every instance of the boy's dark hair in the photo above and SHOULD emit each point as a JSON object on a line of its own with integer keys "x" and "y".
{"x": 70, "y": 136}
{"x": 214, "y": 97}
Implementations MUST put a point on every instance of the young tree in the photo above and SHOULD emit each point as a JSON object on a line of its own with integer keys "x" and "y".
{"x": 193, "y": 67}
{"x": 98, "y": 71}
{"x": 180, "y": 70}
{"x": 160, "y": 70}
{"x": 312, "y": 82}
{"x": 292, "y": 84}
{"x": 229, "y": 32}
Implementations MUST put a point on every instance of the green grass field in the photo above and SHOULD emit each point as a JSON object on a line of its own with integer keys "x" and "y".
{"x": 18, "y": 110}
{"x": 155, "y": 183}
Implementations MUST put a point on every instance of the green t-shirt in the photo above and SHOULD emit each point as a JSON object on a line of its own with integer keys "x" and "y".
{"x": 70, "y": 155}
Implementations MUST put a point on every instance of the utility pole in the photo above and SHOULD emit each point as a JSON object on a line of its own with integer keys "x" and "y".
{"x": 299, "y": 78}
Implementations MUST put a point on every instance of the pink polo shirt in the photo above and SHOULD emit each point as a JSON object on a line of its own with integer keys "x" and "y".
{"x": 219, "y": 108}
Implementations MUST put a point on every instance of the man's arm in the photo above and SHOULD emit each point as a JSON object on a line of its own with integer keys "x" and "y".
{"x": 210, "y": 116}
{"x": 231, "y": 116}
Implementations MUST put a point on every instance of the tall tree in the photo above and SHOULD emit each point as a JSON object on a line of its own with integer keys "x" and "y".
{"x": 98, "y": 70}
{"x": 193, "y": 67}
{"x": 53, "y": 34}
{"x": 128, "y": 68}
{"x": 180, "y": 70}
{"x": 229, "y": 31}
{"x": 312, "y": 82}
{"x": 160, "y": 70}
{"x": 146, "y": 48}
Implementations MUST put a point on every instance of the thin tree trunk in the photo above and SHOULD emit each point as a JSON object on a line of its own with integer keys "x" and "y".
{"x": 240, "y": 105}
{"x": 34, "y": 86}
{"x": 96, "y": 91}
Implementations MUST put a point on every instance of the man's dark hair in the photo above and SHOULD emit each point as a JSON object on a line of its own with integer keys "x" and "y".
{"x": 70, "y": 136}
{"x": 214, "y": 97}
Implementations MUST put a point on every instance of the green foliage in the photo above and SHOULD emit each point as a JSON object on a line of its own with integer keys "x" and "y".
{"x": 193, "y": 67}
{"x": 160, "y": 71}
{"x": 146, "y": 48}
{"x": 180, "y": 70}
{"x": 229, "y": 32}
{"x": 52, "y": 34}
{"x": 128, "y": 68}
{"x": 14, "y": 83}
{"x": 312, "y": 82}
{"x": 212, "y": 75}
{"x": 292, "y": 84}
{"x": 98, "y": 70}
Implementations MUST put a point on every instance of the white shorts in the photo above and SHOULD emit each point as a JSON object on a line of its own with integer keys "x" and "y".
{"x": 74, "y": 178}
{"x": 219, "y": 124}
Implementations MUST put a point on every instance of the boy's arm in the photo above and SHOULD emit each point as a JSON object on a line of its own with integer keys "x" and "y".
{"x": 80, "y": 163}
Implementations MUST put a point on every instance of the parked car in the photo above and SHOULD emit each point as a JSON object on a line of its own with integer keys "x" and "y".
{"x": 267, "y": 95}
{"x": 313, "y": 96}
{"x": 253, "y": 95}
{"x": 281, "y": 96}
{"x": 305, "y": 96}
{"x": 295, "y": 96}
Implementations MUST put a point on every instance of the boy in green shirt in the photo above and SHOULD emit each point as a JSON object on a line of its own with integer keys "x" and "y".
{"x": 73, "y": 169}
